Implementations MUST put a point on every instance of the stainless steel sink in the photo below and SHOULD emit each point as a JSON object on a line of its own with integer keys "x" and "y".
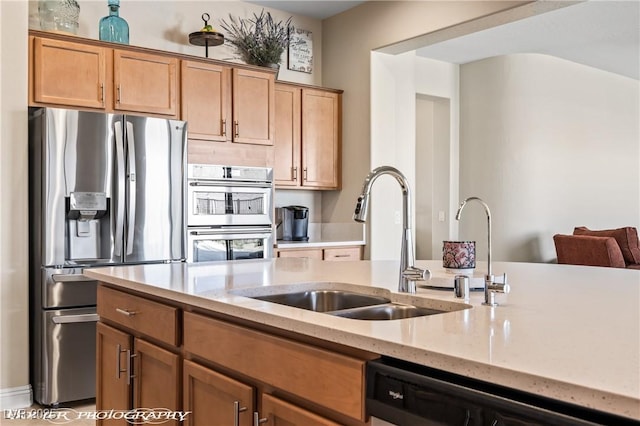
{"x": 389, "y": 311}
{"x": 324, "y": 300}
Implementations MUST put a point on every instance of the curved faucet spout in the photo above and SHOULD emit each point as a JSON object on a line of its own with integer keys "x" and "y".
{"x": 408, "y": 273}
{"x": 490, "y": 285}
{"x": 486, "y": 209}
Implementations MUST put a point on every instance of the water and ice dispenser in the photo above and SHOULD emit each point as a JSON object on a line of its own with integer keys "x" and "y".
{"x": 88, "y": 225}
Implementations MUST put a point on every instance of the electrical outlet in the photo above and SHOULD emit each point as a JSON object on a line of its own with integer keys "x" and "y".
{"x": 441, "y": 216}
{"x": 397, "y": 217}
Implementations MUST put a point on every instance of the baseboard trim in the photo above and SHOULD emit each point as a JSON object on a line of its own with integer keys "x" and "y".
{"x": 12, "y": 398}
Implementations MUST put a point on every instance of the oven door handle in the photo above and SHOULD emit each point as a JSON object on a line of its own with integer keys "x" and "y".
{"x": 235, "y": 183}
{"x": 72, "y": 319}
{"x": 232, "y": 231}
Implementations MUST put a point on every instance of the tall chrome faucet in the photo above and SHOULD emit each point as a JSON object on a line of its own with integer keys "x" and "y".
{"x": 491, "y": 287}
{"x": 409, "y": 274}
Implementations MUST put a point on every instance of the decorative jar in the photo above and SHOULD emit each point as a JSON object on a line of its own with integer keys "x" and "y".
{"x": 59, "y": 15}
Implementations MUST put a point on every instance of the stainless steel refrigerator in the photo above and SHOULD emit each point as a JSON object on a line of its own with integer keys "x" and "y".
{"x": 105, "y": 189}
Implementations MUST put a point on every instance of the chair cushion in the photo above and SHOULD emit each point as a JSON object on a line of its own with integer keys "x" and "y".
{"x": 588, "y": 250}
{"x": 627, "y": 239}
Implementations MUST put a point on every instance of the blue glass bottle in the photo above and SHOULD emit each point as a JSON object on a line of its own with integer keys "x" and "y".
{"x": 113, "y": 27}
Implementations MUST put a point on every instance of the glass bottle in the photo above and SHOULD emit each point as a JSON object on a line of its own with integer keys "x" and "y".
{"x": 113, "y": 27}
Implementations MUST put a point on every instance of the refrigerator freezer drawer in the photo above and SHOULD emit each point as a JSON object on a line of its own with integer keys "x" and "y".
{"x": 65, "y": 288}
{"x": 66, "y": 356}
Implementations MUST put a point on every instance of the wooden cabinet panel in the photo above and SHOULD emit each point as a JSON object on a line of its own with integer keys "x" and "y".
{"x": 286, "y": 171}
{"x": 157, "y": 378}
{"x": 145, "y": 82}
{"x": 281, "y": 413}
{"x": 70, "y": 74}
{"x": 253, "y": 107}
{"x": 113, "y": 390}
{"x": 153, "y": 319}
{"x": 343, "y": 254}
{"x": 211, "y": 397}
{"x": 307, "y": 138}
{"x": 206, "y": 102}
{"x": 310, "y": 253}
{"x": 337, "y": 380}
{"x": 320, "y": 139}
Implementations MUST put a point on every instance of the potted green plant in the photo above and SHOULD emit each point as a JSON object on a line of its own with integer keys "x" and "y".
{"x": 259, "y": 40}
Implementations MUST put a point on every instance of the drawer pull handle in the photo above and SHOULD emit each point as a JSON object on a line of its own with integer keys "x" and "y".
{"x": 130, "y": 357}
{"x": 341, "y": 255}
{"x": 237, "y": 409}
{"x": 224, "y": 127}
{"x": 125, "y": 312}
{"x": 257, "y": 420}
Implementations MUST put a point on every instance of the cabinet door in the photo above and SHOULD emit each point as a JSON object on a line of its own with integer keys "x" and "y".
{"x": 281, "y": 413}
{"x": 215, "y": 399}
{"x": 206, "y": 102}
{"x": 70, "y": 74}
{"x": 113, "y": 370}
{"x": 253, "y": 107}
{"x": 287, "y": 136}
{"x": 320, "y": 139}
{"x": 144, "y": 82}
{"x": 157, "y": 378}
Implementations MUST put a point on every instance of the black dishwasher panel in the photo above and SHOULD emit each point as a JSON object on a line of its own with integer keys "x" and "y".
{"x": 408, "y": 394}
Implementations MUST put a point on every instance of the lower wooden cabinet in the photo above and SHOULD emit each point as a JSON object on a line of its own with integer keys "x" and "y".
{"x": 334, "y": 254}
{"x": 215, "y": 399}
{"x": 219, "y": 372}
{"x": 275, "y": 411}
{"x": 133, "y": 373}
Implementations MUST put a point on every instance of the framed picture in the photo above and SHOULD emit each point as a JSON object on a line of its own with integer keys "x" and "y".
{"x": 300, "y": 51}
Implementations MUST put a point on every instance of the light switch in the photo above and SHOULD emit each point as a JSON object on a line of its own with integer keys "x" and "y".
{"x": 397, "y": 217}
{"x": 441, "y": 216}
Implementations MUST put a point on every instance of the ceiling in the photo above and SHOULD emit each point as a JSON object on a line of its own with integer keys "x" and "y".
{"x": 311, "y": 8}
{"x": 601, "y": 34}
{"x": 604, "y": 34}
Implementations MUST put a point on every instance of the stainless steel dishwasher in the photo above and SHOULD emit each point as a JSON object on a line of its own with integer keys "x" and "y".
{"x": 407, "y": 394}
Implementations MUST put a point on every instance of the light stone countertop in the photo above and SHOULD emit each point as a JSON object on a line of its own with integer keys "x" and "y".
{"x": 571, "y": 333}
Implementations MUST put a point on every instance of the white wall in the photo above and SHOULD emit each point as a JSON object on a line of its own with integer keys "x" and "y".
{"x": 14, "y": 287}
{"x": 430, "y": 165}
{"x": 549, "y": 144}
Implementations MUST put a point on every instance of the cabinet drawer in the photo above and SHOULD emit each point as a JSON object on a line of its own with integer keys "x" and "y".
{"x": 311, "y": 253}
{"x": 330, "y": 379}
{"x": 150, "y": 318}
{"x": 339, "y": 254}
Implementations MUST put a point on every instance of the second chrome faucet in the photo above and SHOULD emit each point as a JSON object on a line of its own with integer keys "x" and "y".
{"x": 409, "y": 274}
{"x": 491, "y": 287}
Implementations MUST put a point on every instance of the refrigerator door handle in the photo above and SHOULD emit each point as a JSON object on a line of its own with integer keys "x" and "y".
{"x": 131, "y": 172}
{"x": 120, "y": 177}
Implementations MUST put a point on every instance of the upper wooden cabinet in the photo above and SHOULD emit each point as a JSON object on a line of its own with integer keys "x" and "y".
{"x": 227, "y": 105}
{"x": 144, "y": 82}
{"x": 253, "y": 107}
{"x": 206, "y": 100}
{"x": 70, "y": 74}
{"x": 307, "y": 141}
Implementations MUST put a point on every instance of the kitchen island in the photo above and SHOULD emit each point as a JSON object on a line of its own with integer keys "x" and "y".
{"x": 569, "y": 333}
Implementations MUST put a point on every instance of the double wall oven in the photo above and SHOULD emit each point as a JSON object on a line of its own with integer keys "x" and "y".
{"x": 229, "y": 213}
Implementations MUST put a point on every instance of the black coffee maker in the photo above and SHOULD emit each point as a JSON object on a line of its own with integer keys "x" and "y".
{"x": 295, "y": 221}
